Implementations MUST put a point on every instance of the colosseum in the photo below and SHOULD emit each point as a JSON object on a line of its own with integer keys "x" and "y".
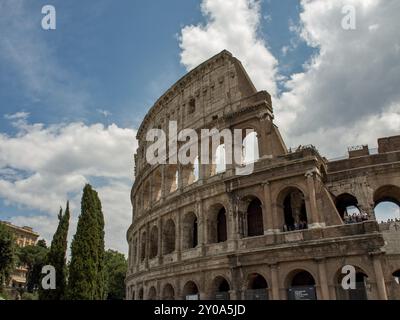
{"x": 285, "y": 231}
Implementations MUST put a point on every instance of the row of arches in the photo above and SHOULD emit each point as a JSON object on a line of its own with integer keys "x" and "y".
{"x": 300, "y": 285}
{"x": 190, "y": 173}
{"x": 218, "y": 223}
{"x": 386, "y": 204}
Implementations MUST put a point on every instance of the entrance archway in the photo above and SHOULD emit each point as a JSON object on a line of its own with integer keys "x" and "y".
{"x": 292, "y": 201}
{"x": 257, "y": 288}
{"x": 168, "y": 292}
{"x": 360, "y": 291}
{"x": 301, "y": 286}
{"x": 190, "y": 291}
{"x": 255, "y": 225}
{"x": 221, "y": 288}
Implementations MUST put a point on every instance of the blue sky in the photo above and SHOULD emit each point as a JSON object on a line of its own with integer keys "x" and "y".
{"x": 108, "y": 61}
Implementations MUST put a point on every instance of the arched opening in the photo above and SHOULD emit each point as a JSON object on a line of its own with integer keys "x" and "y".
{"x": 190, "y": 291}
{"x": 169, "y": 237}
{"x": 168, "y": 292}
{"x": 357, "y": 293}
{"x": 220, "y": 161}
{"x": 257, "y": 288}
{"x": 221, "y": 288}
{"x": 153, "y": 242}
{"x": 141, "y": 294}
{"x": 196, "y": 169}
{"x": 217, "y": 224}
{"x": 387, "y": 204}
{"x": 143, "y": 247}
{"x": 156, "y": 183}
{"x": 301, "y": 286}
{"x": 192, "y": 106}
{"x": 255, "y": 226}
{"x": 221, "y": 226}
{"x": 250, "y": 148}
{"x": 349, "y": 211}
{"x": 152, "y": 294}
{"x": 396, "y": 276}
{"x": 190, "y": 231}
{"x": 294, "y": 210}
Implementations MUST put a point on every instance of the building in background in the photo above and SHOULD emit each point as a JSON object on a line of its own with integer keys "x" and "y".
{"x": 24, "y": 236}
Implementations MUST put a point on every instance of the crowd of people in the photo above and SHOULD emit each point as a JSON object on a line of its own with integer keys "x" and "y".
{"x": 391, "y": 220}
{"x": 355, "y": 217}
{"x": 295, "y": 226}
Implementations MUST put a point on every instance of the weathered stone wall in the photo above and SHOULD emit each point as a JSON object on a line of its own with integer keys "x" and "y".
{"x": 256, "y": 233}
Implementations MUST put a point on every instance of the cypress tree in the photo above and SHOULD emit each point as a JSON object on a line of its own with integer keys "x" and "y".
{"x": 86, "y": 273}
{"x": 57, "y": 258}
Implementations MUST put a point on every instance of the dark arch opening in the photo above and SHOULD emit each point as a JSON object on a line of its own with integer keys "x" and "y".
{"x": 302, "y": 286}
{"x": 152, "y": 294}
{"x": 190, "y": 231}
{"x": 360, "y": 291}
{"x": 255, "y": 226}
{"x": 347, "y": 206}
{"x": 169, "y": 237}
{"x": 221, "y": 225}
{"x": 168, "y": 292}
{"x": 294, "y": 209}
{"x": 143, "y": 247}
{"x": 141, "y": 294}
{"x": 222, "y": 289}
{"x": 257, "y": 288}
{"x": 190, "y": 291}
{"x": 154, "y": 242}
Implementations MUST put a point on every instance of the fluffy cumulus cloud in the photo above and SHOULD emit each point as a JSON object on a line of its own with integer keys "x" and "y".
{"x": 348, "y": 93}
{"x": 234, "y": 26}
{"x": 43, "y": 166}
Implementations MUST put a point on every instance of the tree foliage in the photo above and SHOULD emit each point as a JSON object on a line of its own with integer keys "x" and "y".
{"x": 57, "y": 258}
{"x": 7, "y": 252}
{"x": 86, "y": 273}
{"x": 116, "y": 267}
{"x": 33, "y": 258}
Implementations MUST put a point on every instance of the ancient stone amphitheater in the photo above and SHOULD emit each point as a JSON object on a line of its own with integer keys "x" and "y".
{"x": 283, "y": 232}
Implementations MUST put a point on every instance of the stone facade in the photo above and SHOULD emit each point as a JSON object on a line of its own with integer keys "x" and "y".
{"x": 277, "y": 233}
{"x": 24, "y": 236}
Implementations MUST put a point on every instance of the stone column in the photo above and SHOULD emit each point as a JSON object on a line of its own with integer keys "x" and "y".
{"x": 314, "y": 214}
{"x": 379, "y": 276}
{"x": 268, "y": 216}
{"x": 178, "y": 239}
{"x": 159, "y": 253}
{"x": 146, "y": 259}
{"x": 274, "y": 282}
{"x": 201, "y": 228}
{"x": 323, "y": 280}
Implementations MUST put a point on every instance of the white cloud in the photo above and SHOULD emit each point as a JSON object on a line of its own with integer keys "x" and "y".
{"x": 43, "y": 166}
{"x": 348, "y": 93}
{"x": 231, "y": 25}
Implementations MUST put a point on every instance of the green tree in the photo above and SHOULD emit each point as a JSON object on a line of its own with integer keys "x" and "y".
{"x": 116, "y": 267}
{"x": 34, "y": 258}
{"x": 86, "y": 272}
{"x": 7, "y": 254}
{"x": 57, "y": 258}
